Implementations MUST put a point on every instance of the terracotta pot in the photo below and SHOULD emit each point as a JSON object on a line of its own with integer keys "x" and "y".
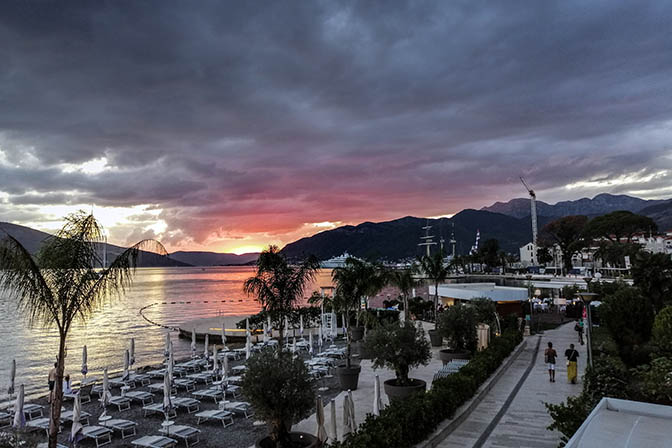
{"x": 348, "y": 377}
{"x": 298, "y": 439}
{"x": 448, "y": 354}
{"x": 436, "y": 338}
{"x": 398, "y": 393}
{"x": 356, "y": 333}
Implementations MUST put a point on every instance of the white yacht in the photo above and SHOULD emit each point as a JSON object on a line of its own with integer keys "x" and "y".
{"x": 335, "y": 262}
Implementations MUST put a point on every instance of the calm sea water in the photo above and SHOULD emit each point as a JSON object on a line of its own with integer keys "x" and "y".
{"x": 213, "y": 291}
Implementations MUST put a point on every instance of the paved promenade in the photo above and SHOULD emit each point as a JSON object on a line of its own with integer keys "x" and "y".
{"x": 524, "y": 422}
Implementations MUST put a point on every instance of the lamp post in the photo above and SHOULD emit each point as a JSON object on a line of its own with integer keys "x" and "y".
{"x": 586, "y": 298}
{"x": 529, "y": 296}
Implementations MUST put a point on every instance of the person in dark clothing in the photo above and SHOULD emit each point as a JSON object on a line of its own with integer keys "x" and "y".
{"x": 572, "y": 361}
{"x": 549, "y": 357}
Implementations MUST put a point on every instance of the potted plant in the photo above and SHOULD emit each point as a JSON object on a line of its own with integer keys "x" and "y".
{"x": 399, "y": 347}
{"x": 434, "y": 269}
{"x": 279, "y": 388}
{"x": 357, "y": 279}
{"x": 458, "y": 324}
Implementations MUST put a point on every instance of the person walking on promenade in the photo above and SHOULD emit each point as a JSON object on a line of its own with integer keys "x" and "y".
{"x": 52, "y": 381}
{"x": 549, "y": 356}
{"x": 579, "y": 329}
{"x": 572, "y": 360}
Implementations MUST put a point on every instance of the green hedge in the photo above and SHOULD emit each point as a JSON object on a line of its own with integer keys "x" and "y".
{"x": 404, "y": 424}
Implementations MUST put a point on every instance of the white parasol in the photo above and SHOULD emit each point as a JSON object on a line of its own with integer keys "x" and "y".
{"x": 105, "y": 394}
{"x": 320, "y": 338}
{"x": 167, "y": 401}
{"x": 225, "y": 367}
{"x": 85, "y": 367}
{"x": 206, "y": 353}
{"x": 334, "y": 429}
{"x": 294, "y": 344}
{"x": 193, "y": 342}
{"x": 301, "y": 325}
{"x": 346, "y": 416}
{"x": 265, "y": 333}
{"x": 124, "y": 376}
{"x": 351, "y": 412}
{"x": 286, "y": 331}
{"x": 12, "y": 378}
{"x": 215, "y": 363}
{"x": 321, "y": 431}
{"x": 270, "y": 326}
{"x": 132, "y": 352}
{"x": 75, "y": 431}
{"x": 310, "y": 343}
{"x": 225, "y": 348}
{"x": 166, "y": 349}
{"x": 248, "y": 343}
{"x": 377, "y": 399}
{"x": 19, "y": 417}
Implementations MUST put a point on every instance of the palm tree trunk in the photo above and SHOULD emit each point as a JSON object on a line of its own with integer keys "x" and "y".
{"x": 57, "y": 396}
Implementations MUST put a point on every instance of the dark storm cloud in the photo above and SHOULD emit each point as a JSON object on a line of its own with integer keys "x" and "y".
{"x": 259, "y": 116}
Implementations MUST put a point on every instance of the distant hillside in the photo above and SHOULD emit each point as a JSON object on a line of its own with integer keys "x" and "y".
{"x": 599, "y": 205}
{"x": 32, "y": 240}
{"x": 213, "y": 258}
{"x": 661, "y": 213}
{"x": 398, "y": 239}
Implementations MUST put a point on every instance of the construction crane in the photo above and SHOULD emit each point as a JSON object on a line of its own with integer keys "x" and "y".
{"x": 533, "y": 214}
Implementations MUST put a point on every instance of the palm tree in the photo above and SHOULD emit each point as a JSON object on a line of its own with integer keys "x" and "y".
{"x": 63, "y": 284}
{"x": 434, "y": 269}
{"x": 355, "y": 281}
{"x": 404, "y": 280}
{"x": 278, "y": 286}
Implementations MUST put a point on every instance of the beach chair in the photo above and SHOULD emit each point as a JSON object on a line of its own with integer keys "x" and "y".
{"x": 238, "y": 407}
{"x": 41, "y": 423}
{"x": 190, "y": 404}
{"x": 84, "y": 393}
{"x": 213, "y": 392}
{"x": 158, "y": 388}
{"x": 154, "y": 442}
{"x": 31, "y": 411}
{"x": 156, "y": 373}
{"x": 123, "y": 403}
{"x": 185, "y": 383}
{"x": 223, "y": 416}
{"x": 66, "y": 416}
{"x": 123, "y": 426}
{"x": 204, "y": 377}
{"x": 141, "y": 396}
{"x": 235, "y": 379}
{"x": 238, "y": 370}
{"x": 5, "y": 419}
{"x": 186, "y": 433}
{"x": 157, "y": 408}
{"x": 140, "y": 378}
{"x": 233, "y": 390}
{"x": 101, "y": 435}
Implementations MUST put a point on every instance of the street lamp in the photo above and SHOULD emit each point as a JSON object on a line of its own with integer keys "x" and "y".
{"x": 586, "y": 298}
{"x": 529, "y": 296}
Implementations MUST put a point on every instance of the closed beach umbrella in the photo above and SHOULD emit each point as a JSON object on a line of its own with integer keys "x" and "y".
{"x": 167, "y": 348}
{"x": 377, "y": 400}
{"x": 345, "y": 327}
{"x": 215, "y": 364}
{"x": 286, "y": 330}
{"x": 225, "y": 367}
{"x": 167, "y": 402}
{"x": 224, "y": 337}
{"x": 170, "y": 364}
{"x": 85, "y": 367}
{"x": 334, "y": 325}
{"x": 301, "y": 325}
{"x": 334, "y": 428}
{"x": 294, "y": 344}
{"x": 321, "y": 431}
{"x": 320, "y": 337}
{"x": 207, "y": 342}
{"x": 126, "y": 364}
{"x": 351, "y": 413}
{"x": 12, "y": 378}
{"x": 265, "y": 333}
{"x": 193, "y": 342}
{"x": 310, "y": 343}
{"x": 77, "y": 427}
{"x": 19, "y": 418}
{"x": 270, "y": 326}
{"x": 248, "y": 344}
{"x": 105, "y": 394}
{"x": 132, "y": 353}
{"x": 346, "y": 416}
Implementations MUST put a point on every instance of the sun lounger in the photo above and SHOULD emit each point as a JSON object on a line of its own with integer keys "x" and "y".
{"x": 185, "y": 383}
{"x": 190, "y": 404}
{"x": 158, "y": 388}
{"x": 236, "y": 379}
{"x": 6, "y": 418}
{"x": 102, "y": 435}
{"x": 214, "y": 393}
{"x": 239, "y": 407}
{"x": 154, "y": 442}
{"x": 66, "y": 416}
{"x": 157, "y": 408}
{"x": 84, "y": 393}
{"x": 121, "y": 425}
{"x": 233, "y": 390}
{"x": 156, "y": 373}
{"x": 204, "y": 377}
{"x": 119, "y": 382}
{"x": 144, "y": 380}
{"x": 40, "y": 423}
{"x": 143, "y": 397}
{"x": 32, "y": 411}
{"x": 226, "y": 417}
{"x": 237, "y": 370}
{"x": 183, "y": 432}
{"x": 123, "y": 403}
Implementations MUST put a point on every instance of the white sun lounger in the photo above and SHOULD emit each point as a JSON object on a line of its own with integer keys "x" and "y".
{"x": 121, "y": 425}
{"x": 238, "y": 369}
{"x": 240, "y": 407}
{"x": 225, "y": 417}
{"x": 5, "y": 417}
{"x": 102, "y": 436}
{"x": 31, "y": 411}
{"x": 123, "y": 403}
{"x": 204, "y": 377}
{"x": 182, "y": 432}
{"x": 40, "y": 423}
{"x": 213, "y": 392}
{"x": 66, "y": 416}
{"x": 119, "y": 382}
{"x": 190, "y": 404}
{"x": 158, "y": 388}
{"x": 185, "y": 383}
{"x": 140, "y": 378}
{"x": 154, "y": 442}
{"x": 143, "y": 397}
{"x": 233, "y": 390}
{"x": 84, "y": 393}
{"x": 157, "y": 408}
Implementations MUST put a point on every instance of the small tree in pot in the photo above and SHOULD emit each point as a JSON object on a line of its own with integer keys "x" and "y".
{"x": 458, "y": 324}
{"x": 434, "y": 269}
{"x": 280, "y": 389}
{"x": 400, "y": 348}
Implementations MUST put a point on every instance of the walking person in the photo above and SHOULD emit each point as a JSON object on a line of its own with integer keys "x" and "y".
{"x": 572, "y": 360}
{"x": 549, "y": 356}
{"x": 579, "y": 329}
{"x": 52, "y": 381}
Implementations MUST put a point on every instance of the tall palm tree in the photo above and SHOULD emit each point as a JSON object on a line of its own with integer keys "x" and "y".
{"x": 404, "y": 280}
{"x": 278, "y": 285}
{"x": 433, "y": 268}
{"x": 355, "y": 281}
{"x": 63, "y": 284}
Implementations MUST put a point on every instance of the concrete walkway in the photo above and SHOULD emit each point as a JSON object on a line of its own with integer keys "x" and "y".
{"x": 524, "y": 422}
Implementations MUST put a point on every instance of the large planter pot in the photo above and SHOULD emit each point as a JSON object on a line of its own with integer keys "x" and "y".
{"x": 298, "y": 439}
{"x": 356, "y": 333}
{"x": 348, "y": 377}
{"x": 435, "y": 338}
{"x": 448, "y": 354}
{"x": 398, "y": 393}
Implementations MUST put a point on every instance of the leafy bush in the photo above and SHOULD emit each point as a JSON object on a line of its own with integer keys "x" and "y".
{"x": 458, "y": 324}
{"x": 280, "y": 389}
{"x": 568, "y": 417}
{"x": 405, "y": 423}
{"x": 399, "y": 347}
{"x": 654, "y": 381}
{"x": 662, "y": 329}
{"x": 485, "y": 310}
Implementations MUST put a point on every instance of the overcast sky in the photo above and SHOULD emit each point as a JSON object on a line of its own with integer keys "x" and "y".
{"x": 231, "y": 125}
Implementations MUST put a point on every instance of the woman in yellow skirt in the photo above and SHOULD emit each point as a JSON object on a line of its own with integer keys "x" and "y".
{"x": 572, "y": 360}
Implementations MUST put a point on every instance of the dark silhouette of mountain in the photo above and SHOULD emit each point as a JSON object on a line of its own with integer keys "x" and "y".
{"x": 661, "y": 213}
{"x": 398, "y": 239}
{"x": 213, "y": 258}
{"x": 32, "y": 240}
{"x": 599, "y": 205}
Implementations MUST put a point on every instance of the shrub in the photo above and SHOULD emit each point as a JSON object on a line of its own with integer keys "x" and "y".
{"x": 653, "y": 382}
{"x": 662, "y": 329}
{"x": 398, "y": 347}
{"x": 458, "y": 324}
{"x": 485, "y": 310}
{"x": 628, "y": 316}
{"x": 279, "y": 388}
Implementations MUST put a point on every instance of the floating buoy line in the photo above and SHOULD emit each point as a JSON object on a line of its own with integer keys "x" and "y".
{"x": 141, "y": 312}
